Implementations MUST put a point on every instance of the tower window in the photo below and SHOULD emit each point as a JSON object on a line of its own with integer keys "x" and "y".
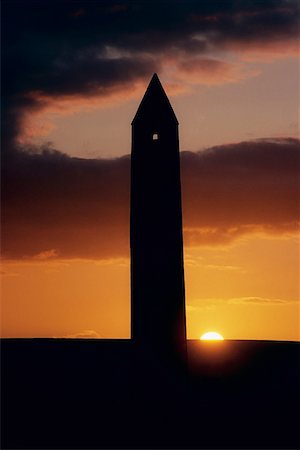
{"x": 155, "y": 137}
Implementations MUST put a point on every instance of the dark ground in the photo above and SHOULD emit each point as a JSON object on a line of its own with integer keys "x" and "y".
{"x": 107, "y": 394}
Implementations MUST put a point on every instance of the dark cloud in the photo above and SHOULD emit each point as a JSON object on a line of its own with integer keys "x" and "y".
{"x": 58, "y": 206}
{"x": 67, "y": 48}
{"x": 71, "y": 206}
{"x": 232, "y": 189}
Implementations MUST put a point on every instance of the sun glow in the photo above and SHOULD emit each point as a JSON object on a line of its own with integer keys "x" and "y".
{"x": 211, "y": 336}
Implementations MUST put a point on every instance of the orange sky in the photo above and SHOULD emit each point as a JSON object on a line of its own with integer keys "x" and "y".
{"x": 233, "y": 79}
{"x": 246, "y": 290}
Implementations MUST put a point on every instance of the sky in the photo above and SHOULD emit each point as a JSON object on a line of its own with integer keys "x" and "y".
{"x": 73, "y": 75}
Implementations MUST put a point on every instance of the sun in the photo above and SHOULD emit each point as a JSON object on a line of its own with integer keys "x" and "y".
{"x": 211, "y": 336}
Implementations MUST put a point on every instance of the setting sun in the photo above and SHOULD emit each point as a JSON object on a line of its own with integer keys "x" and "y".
{"x": 211, "y": 336}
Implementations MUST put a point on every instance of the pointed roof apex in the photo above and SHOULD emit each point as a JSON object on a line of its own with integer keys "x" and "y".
{"x": 155, "y": 77}
{"x": 155, "y": 103}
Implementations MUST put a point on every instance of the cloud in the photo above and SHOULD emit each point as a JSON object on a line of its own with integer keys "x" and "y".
{"x": 213, "y": 71}
{"x": 236, "y": 189}
{"x": 191, "y": 308}
{"x": 198, "y": 261}
{"x": 46, "y": 254}
{"x": 97, "y": 82}
{"x": 212, "y": 303}
{"x": 65, "y": 53}
{"x": 204, "y": 304}
{"x": 4, "y": 273}
{"x": 258, "y": 301}
{"x": 56, "y": 206}
{"x": 78, "y": 207}
{"x": 86, "y": 334}
{"x": 222, "y": 267}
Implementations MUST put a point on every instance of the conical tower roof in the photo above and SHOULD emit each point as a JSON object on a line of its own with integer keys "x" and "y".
{"x": 155, "y": 103}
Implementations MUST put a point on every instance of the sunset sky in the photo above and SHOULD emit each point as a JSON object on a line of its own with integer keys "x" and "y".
{"x": 74, "y": 73}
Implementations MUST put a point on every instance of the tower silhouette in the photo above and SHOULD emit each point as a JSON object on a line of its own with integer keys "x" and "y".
{"x": 157, "y": 274}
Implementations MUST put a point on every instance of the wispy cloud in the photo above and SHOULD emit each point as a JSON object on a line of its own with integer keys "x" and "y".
{"x": 213, "y": 303}
{"x": 5, "y": 273}
{"x": 46, "y": 255}
{"x": 85, "y": 334}
{"x": 199, "y": 261}
{"x": 223, "y": 267}
{"x": 211, "y": 71}
{"x": 259, "y": 301}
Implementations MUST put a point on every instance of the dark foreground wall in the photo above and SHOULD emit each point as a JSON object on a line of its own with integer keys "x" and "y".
{"x": 108, "y": 394}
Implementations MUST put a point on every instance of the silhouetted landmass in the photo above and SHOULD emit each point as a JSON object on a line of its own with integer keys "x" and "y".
{"x": 61, "y": 393}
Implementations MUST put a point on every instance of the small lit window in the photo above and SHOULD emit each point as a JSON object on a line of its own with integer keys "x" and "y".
{"x": 155, "y": 137}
